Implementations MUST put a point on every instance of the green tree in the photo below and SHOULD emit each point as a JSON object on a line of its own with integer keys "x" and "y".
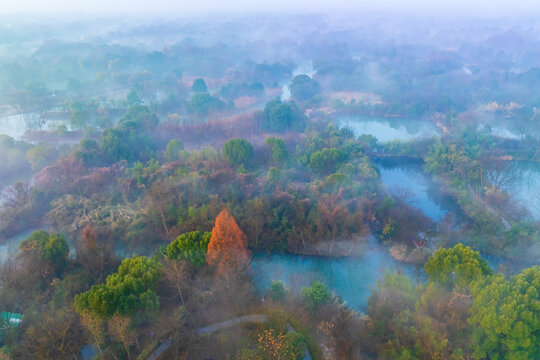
{"x": 133, "y": 98}
{"x": 304, "y": 88}
{"x": 191, "y": 246}
{"x": 279, "y": 150}
{"x": 327, "y": 160}
{"x": 457, "y": 266}
{"x": 279, "y": 116}
{"x": 88, "y": 151}
{"x": 277, "y": 291}
{"x": 129, "y": 290}
{"x": 51, "y": 247}
{"x": 204, "y": 103}
{"x": 172, "y": 152}
{"x": 41, "y": 155}
{"x": 199, "y": 86}
{"x": 238, "y": 151}
{"x": 316, "y": 295}
{"x": 507, "y": 316}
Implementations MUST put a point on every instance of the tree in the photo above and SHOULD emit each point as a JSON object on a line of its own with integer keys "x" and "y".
{"x": 88, "y": 152}
{"x": 457, "y": 266}
{"x": 125, "y": 292}
{"x": 327, "y": 160}
{"x": 133, "y": 98}
{"x": 120, "y": 328}
{"x": 507, "y": 316}
{"x": 41, "y": 155}
{"x": 279, "y": 116}
{"x": 190, "y": 246}
{"x": 53, "y": 248}
{"x": 316, "y": 295}
{"x": 172, "y": 152}
{"x": 199, "y": 86}
{"x": 304, "y": 88}
{"x": 279, "y": 150}
{"x": 203, "y": 103}
{"x": 238, "y": 151}
{"x": 228, "y": 245}
{"x": 277, "y": 291}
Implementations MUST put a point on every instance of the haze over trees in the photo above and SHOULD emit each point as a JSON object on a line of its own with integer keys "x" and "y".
{"x": 270, "y": 186}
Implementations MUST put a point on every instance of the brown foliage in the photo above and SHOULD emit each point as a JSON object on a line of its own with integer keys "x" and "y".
{"x": 228, "y": 245}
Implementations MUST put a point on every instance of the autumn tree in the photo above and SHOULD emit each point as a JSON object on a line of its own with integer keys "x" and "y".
{"x": 228, "y": 245}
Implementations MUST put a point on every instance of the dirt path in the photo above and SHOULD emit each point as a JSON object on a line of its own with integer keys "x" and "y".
{"x": 165, "y": 345}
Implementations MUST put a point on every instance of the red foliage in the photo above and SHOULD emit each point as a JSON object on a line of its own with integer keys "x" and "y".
{"x": 228, "y": 245}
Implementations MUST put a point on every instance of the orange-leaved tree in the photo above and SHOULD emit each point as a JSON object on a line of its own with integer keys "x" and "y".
{"x": 228, "y": 245}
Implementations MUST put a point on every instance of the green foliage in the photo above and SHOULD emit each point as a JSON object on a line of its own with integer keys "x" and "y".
{"x": 279, "y": 116}
{"x": 304, "y": 88}
{"x": 119, "y": 144}
{"x": 133, "y": 98}
{"x": 41, "y": 155}
{"x": 327, "y": 160}
{"x": 277, "y": 291}
{"x": 236, "y": 90}
{"x": 443, "y": 158}
{"x": 199, "y": 86}
{"x": 457, "y": 266}
{"x": 507, "y": 316}
{"x": 316, "y": 295}
{"x": 50, "y": 247}
{"x": 279, "y": 150}
{"x": 129, "y": 290}
{"x": 172, "y": 152}
{"x": 138, "y": 118}
{"x": 191, "y": 246}
{"x": 88, "y": 151}
{"x": 204, "y": 103}
{"x": 237, "y": 151}
{"x": 389, "y": 229}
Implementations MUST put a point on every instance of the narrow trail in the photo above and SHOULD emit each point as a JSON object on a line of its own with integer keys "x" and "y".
{"x": 165, "y": 345}
{"x": 504, "y": 221}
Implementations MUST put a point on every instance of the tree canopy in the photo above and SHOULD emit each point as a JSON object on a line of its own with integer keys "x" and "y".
{"x": 282, "y": 116}
{"x": 129, "y": 290}
{"x": 304, "y": 88}
{"x": 458, "y": 266}
{"x": 507, "y": 315}
{"x": 238, "y": 151}
{"x": 199, "y": 86}
{"x": 191, "y": 246}
{"x": 228, "y": 245}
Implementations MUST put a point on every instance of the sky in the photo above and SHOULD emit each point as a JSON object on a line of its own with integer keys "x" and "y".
{"x": 179, "y": 7}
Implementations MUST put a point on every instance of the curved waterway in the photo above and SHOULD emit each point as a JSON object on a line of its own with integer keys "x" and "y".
{"x": 408, "y": 176}
{"x": 351, "y": 278}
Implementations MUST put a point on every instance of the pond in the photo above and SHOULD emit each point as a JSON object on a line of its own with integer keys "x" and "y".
{"x": 351, "y": 278}
{"x": 527, "y": 189}
{"x": 16, "y": 125}
{"x": 408, "y": 176}
{"x": 388, "y": 129}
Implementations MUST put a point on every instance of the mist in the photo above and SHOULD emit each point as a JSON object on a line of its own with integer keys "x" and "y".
{"x": 269, "y": 180}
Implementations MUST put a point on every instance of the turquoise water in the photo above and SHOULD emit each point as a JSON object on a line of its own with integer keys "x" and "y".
{"x": 351, "y": 278}
{"x": 385, "y": 129}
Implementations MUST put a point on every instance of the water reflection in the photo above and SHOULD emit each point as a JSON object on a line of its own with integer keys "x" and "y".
{"x": 385, "y": 129}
